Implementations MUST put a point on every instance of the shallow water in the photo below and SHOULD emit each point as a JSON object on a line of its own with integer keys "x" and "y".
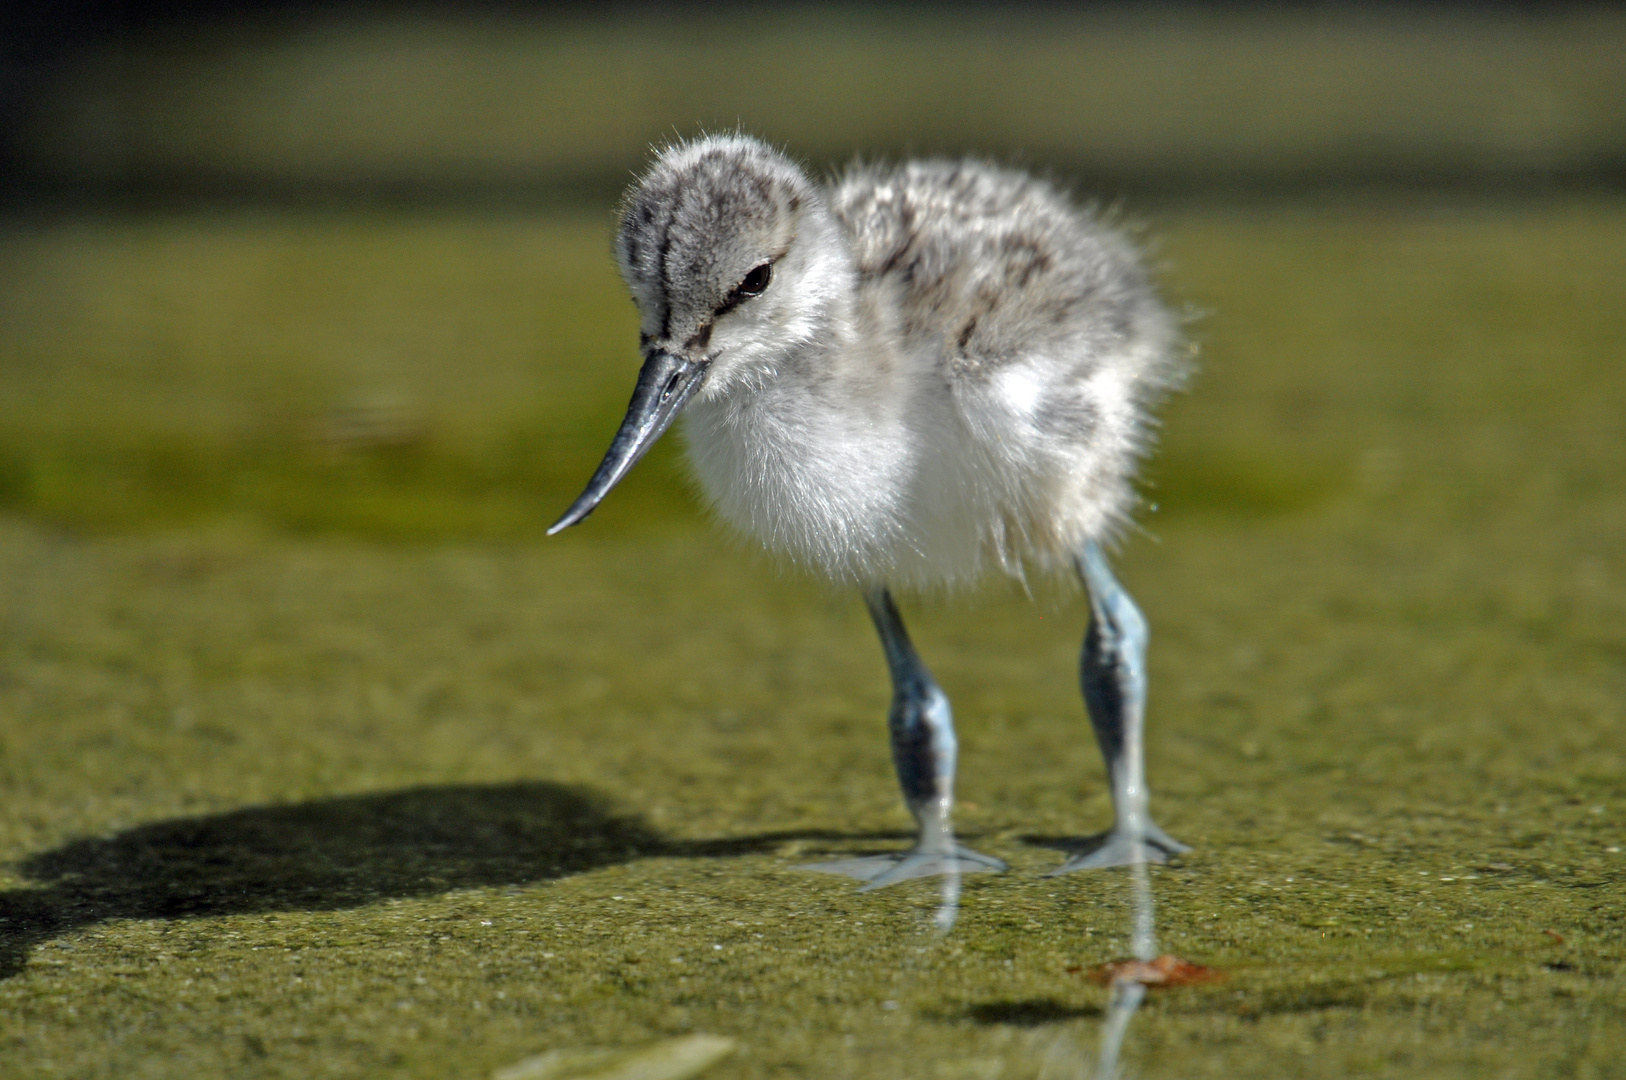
{"x": 322, "y": 762}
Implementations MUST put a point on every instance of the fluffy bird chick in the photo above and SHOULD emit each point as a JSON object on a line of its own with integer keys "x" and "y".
{"x": 906, "y": 378}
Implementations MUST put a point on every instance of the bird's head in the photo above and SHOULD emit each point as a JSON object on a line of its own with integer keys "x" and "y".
{"x": 733, "y": 260}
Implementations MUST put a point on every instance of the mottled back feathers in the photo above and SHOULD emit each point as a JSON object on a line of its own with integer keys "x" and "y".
{"x": 991, "y": 262}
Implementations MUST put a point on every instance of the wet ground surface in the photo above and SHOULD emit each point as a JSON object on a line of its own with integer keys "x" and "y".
{"x": 394, "y": 788}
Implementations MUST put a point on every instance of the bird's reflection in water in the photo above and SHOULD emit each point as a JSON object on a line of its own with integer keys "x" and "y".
{"x": 1128, "y": 980}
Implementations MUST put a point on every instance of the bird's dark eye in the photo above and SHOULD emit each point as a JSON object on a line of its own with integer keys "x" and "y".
{"x": 754, "y": 282}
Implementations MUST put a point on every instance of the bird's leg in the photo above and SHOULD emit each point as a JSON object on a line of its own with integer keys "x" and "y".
{"x": 1112, "y": 670}
{"x": 923, "y": 751}
{"x": 921, "y": 725}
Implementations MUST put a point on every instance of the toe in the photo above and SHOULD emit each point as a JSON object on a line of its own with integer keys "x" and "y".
{"x": 1156, "y": 837}
{"x": 912, "y": 866}
{"x": 925, "y": 864}
{"x": 987, "y": 862}
{"x": 879, "y": 871}
{"x": 865, "y": 869}
{"x": 1116, "y": 851}
{"x": 1114, "y": 848}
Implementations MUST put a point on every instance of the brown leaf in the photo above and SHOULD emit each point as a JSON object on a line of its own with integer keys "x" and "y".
{"x": 1164, "y": 971}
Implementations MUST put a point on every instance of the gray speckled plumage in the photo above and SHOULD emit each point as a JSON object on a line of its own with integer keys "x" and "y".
{"x": 907, "y": 377}
{"x": 987, "y": 265}
{"x": 950, "y": 370}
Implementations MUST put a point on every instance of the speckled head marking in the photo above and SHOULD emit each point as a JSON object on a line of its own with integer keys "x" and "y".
{"x": 719, "y": 245}
{"x": 701, "y": 220}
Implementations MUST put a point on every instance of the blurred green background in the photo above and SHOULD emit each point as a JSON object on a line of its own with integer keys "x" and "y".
{"x": 315, "y": 758}
{"x": 348, "y": 271}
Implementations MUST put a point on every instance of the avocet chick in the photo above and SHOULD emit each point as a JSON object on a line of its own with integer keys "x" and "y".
{"x": 908, "y": 378}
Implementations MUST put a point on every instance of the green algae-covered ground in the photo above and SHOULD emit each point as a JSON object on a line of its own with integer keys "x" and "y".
{"x": 316, "y": 759}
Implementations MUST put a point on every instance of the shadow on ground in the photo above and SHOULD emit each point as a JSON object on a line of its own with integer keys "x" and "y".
{"x": 333, "y": 854}
{"x": 1030, "y": 1012}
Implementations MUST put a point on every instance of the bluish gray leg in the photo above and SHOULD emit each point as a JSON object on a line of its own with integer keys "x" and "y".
{"x": 1112, "y": 670}
{"x": 923, "y": 752}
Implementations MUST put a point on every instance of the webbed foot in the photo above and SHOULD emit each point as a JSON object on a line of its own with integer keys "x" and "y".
{"x": 1117, "y": 848}
{"x": 879, "y": 871}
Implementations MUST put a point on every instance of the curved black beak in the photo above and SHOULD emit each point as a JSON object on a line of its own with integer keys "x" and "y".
{"x": 664, "y": 386}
